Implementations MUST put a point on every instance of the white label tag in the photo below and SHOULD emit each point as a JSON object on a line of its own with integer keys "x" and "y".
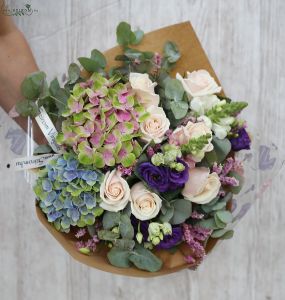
{"x": 32, "y": 162}
{"x": 48, "y": 129}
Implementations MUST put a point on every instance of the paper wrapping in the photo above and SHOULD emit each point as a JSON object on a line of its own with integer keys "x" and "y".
{"x": 192, "y": 58}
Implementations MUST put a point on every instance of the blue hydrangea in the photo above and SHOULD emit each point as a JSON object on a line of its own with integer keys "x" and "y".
{"x": 67, "y": 193}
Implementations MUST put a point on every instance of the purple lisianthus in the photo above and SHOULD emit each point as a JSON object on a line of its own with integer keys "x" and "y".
{"x": 171, "y": 240}
{"x": 155, "y": 177}
{"x": 178, "y": 179}
{"x": 242, "y": 141}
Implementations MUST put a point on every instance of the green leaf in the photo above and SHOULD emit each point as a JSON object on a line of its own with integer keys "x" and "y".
{"x": 219, "y": 223}
{"x": 208, "y": 223}
{"x": 42, "y": 149}
{"x": 119, "y": 258}
{"x": 107, "y": 235}
{"x": 126, "y": 228}
{"x": 73, "y": 73}
{"x": 88, "y": 64}
{"x": 182, "y": 211}
{"x": 111, "y": 219}
{"x": 99, "y": 58}
{"x": 124, "y": 34}
{"x": 211, "y": 157}
{"x": 125, "y": 244}
{"x": 138, "y": 37}
{"x": 27, "y": 108}
{"x": 32, "y": 86}
{"x": 145, "y": 259}
{"x": 171, "y": 52}
{"x": 222, "y": 148}
{"x": 222, "y": 234}
{"x": 167, "y": 215}
{"x": 179, "y": 109}
{"x": 54, "y": 87}
{"x": 174, "y": 89}
{"x": 224, "y": 216}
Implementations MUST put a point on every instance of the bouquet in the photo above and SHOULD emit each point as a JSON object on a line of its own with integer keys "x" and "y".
{"x": 140, "y": 169}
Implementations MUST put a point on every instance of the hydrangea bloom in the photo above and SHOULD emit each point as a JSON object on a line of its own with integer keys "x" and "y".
{"x": 102, "y": 122}
{"x": 67, "y": 193}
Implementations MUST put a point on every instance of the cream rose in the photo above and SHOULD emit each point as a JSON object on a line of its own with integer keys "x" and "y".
{"x": 114, "y": 192}
{"x": 145, "y": 205}
{"x": 201, "y": 187}
{"x": 155, "y": 126}
{"x": 144, "y": 89}
{"x": 204, "y": 103}
{"x": 184, "y": 134}
{"x": 199, "y": 83}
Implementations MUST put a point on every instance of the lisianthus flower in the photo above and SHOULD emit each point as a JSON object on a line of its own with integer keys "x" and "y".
{"x": 242, "y": 141}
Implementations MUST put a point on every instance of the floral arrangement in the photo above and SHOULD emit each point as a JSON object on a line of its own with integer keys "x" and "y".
{"x": 147, "y": 162}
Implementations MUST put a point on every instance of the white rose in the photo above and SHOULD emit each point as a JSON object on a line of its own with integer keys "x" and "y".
{"x": 114, "y": 192}
{"x": 144, "y": 89}
{"x": 201, "y": 187}
{"x": 145, "y": 205}
{"x": 199, "y": 83}
{"x": 155, "y": 126}
{"x": 204, "y": 103}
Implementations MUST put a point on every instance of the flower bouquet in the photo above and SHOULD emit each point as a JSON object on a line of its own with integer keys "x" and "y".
{"x": 139, "y": 172}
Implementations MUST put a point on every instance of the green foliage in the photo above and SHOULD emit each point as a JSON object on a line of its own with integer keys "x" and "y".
{"x": 221, "y": 149}
{"x": 171, "y": 52}
{"x": 196, "y": 144}
{"x": 236, "y": 189}
{"x": 125, "y": 227}
{"x": 182, "y": 211}
{"x": 145, "y": 259}
{"x": 225, "y": 109}
{"x": 33, "y": 85}
{"x": 174, "y": 90}
{"x": 111, "y": 219}
{"x": 27, "y": 108}
{"x": 119, "y": 257}
{"x": 125, "y": 35}
{"x": 42, "y": 149}
{"x": 95, "y": 63}
{"x": 222, "y": 234}
{"x": 73, "y": 73}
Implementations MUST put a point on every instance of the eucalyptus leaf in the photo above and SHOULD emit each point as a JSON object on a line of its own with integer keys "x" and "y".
{"x": 222, "y": 148}
{"x": 219, "y": 223}
{"x": 107, "y": 235}
{"x": 124, "y": 34}
{"x": 208, "y": 223}
{"x": 32, "y": 86}
{"x": 174, "y": 90}
{"x": 222, "y": 234}
{"x": 171, "y": 52}
{"x": 27, "y": 108}
{"x": 145, "y": 259}
{"x": 126, "y": 227}
{"x": 224, "y": 216}
{"x": 88, "y": 64}
{"x": 182, "y": 211}
{"x": 179, "y": 109}
{"x": 126, "y": 244}
{"x": 99, "y": 58}
{"x": 138, "y": 37}
{"x": 119, "y": 257}
{"x": 111, "y": 219}
{"x": 73, "y": 73}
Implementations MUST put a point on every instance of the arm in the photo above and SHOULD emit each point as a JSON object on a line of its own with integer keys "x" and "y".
{"x": 16, "y": 61}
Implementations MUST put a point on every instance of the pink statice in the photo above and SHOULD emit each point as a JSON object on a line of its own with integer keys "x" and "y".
{"x": 196, "y": 215}
{"x": 223, "y": 171}
{"x": 157, "y": 59}
{"x": 80, "y": 233}
{"x": 194, "y": 236}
